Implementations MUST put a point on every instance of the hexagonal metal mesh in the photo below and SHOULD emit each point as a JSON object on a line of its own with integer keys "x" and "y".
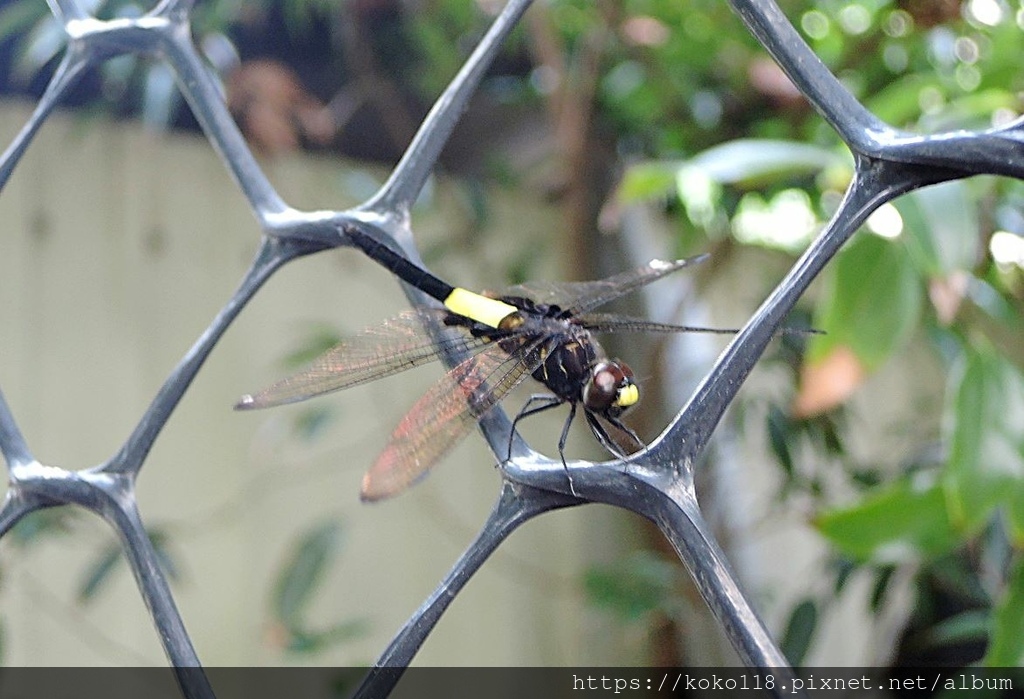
{"x": 657, "y": 482}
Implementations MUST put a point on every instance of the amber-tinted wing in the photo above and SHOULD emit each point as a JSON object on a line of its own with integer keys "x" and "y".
{"x": 580, "y": 297}
{"x": 444, "y": 415}
{"x": 382, "y": 350}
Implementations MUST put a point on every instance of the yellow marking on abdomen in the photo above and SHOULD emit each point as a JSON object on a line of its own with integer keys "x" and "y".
{"x": 628, "y": 395}
{"x": 490, "y": 312}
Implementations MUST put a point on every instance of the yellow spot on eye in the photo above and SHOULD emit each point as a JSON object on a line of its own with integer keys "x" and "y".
{"x": 627, "y": 396}
{"x": 490, "y": 312}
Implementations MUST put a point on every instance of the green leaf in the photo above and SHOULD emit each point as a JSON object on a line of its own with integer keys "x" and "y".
{"x": 751, "y": 162}
{"x": 882, "y": 579}
{"x": 318, "y": 340}
{"x": 160, "y": 95}
{"x": 304, "y": 641}
{"x": 1015, "y": 516}
{"x": 299, "y": 579}
{"x": 987, "y": 311}
{"x": 641, "y": 583}
{"x": 744, "y": 162}
{"x": 647, "y": 181}
{"x": 940, "y": 224}
{"x": 17, "y": 17}
{"x": 799, "y": 631}
{"x": 160, "y": 539}
{"x": 38, "y": 524}
{"x": 970, "y": 111}
{"x": 311, "y": 422}
{"x": 43, "y": 43}
{"x": 1006, "y": 645}
{"x": 956, "y": 576}
{"x": 101, "y": 569}
{"x": 984, "y": 426}
{"x": 906, "y": 520}
{"x": 844, "y": 570}
{"x": 899, "y": 103}
{"x": 779, "y": 436}
{"x": 99, "y": 572}
{"x": 302, "y": 573}
{"x": 965, "y": 627}
{"x": 871, "y": 304}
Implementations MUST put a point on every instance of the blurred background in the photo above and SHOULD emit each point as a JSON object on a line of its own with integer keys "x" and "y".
{"x": 868, "y": 484}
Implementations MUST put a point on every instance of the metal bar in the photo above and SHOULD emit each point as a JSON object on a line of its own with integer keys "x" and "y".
{"x": 405, "y": 183}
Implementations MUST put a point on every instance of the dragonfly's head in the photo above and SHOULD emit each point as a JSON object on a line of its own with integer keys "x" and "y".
{"x": 611, "y": 389}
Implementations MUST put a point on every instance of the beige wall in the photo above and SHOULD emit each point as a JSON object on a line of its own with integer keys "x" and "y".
{"x": 117, "y": 247}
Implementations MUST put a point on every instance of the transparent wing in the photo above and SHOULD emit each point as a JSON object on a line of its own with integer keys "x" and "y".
{"x": 614, "y": 323}
{"x": 444, "y": 415}
{"x": 579, "y": 297}
{"x": 382, "y": 350}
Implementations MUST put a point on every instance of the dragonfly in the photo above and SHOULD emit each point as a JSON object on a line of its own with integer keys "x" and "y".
{"x": 543, "y": 330}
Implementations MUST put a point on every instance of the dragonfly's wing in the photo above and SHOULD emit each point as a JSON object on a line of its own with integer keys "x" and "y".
{"x": 382, "y": 350}
{"x": 444, "y": 415}
{"x": 579, "y": 297}
{"x": 614, "y": 323}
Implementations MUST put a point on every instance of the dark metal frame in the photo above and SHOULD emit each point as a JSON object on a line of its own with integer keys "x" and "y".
{"x": 656, "y": 483}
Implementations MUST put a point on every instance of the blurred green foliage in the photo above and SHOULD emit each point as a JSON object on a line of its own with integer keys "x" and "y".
{"x": 294, "y": 590}
{"x": 719, "y": 140}
{"x": 943, "y": 263}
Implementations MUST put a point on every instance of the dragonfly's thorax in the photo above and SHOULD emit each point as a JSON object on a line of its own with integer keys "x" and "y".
{"x": 529, "y": 307}
{"x": 566, "y": 362}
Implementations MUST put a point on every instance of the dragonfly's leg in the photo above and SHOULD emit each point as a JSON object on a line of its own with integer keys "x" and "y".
{"x": 561, "y": 445}
{"x": 619, "y": 424}
{"x": 603, "y": 437}
{"x": 546, "y": 401}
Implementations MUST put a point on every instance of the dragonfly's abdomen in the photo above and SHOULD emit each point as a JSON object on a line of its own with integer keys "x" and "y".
{"x": 484, "y": 310}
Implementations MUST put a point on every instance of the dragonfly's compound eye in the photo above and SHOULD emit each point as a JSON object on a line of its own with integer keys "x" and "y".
{"x": 611, "y": 388}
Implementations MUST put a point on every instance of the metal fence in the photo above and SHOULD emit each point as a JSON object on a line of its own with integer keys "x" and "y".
{"x": 656, "y": 482}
